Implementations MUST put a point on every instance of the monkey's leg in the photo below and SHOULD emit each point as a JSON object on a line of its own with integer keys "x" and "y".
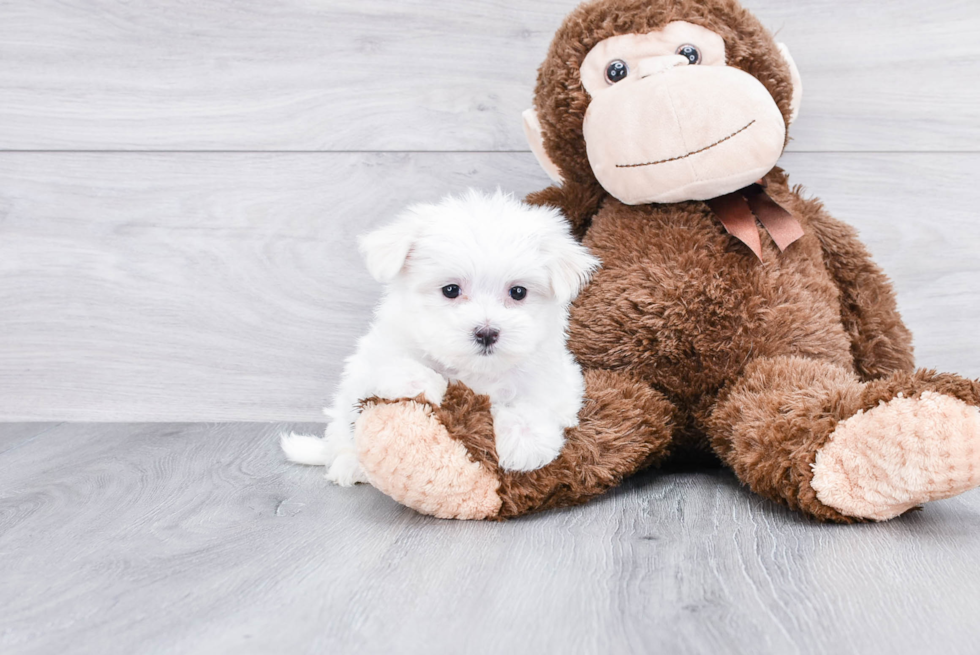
{"x": 810, "y": 435}
{"x": 442, "y": 461}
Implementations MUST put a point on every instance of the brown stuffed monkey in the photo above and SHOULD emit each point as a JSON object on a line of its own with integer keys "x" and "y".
{"x": 732, "y": 316}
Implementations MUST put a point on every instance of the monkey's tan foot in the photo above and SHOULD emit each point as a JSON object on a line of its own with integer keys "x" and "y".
{"x": 407, "y": 454}
{"x": 899, "y": 454}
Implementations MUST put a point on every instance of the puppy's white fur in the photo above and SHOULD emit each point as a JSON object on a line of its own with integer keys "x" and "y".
{"x": 421, "y": 340}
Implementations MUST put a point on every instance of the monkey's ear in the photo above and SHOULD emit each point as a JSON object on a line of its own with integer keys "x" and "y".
{"x": 386, "y": 249}
{"x": 535, "y": 139}
{"x": 794, "y": 74}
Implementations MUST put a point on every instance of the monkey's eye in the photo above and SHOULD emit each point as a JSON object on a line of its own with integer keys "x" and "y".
{"x": 451, "y": 291}
{"x": 691, "y": 52}
{"x": 518, "y": 293}
{"x": 616, "y": 71}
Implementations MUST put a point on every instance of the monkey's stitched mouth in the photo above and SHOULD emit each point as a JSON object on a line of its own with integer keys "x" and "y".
{"x": 690, "y": 154}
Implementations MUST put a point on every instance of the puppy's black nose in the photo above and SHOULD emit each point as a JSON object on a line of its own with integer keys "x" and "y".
{"x": 486, "y": 336}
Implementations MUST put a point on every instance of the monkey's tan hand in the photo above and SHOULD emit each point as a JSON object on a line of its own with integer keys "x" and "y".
{"x": 409, "y": 454}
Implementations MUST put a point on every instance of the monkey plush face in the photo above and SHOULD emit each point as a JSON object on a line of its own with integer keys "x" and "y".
{"x": 667, "y": 117}
{"x": 669, "y": 121}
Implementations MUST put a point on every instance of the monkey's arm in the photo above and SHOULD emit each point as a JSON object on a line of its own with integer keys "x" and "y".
{"x": 442, "y": 460}
{"x": 880, "y": 342}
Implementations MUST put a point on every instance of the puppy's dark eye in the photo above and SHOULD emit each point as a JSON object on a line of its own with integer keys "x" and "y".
{"x": 451, "y": 291}
{"x": 691, "y": 52}
{"x": 616, "y": 71}
{"x": 518, "y": 293}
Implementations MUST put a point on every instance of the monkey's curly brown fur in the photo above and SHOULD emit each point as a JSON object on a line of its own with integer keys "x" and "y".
{"x": 759, "y": 361}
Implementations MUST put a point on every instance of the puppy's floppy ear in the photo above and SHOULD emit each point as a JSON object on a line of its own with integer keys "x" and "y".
{"x": 570, "y": 265}
{"x": 386, "y": 249}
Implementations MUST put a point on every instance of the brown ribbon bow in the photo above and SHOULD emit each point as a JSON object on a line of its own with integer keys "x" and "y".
{"x": 738, "y": 211}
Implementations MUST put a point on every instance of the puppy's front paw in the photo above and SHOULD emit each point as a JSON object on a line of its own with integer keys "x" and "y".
{"x": 411, "y": 382}
{"x": 345, "y": 470}
{"x": 525, "y": 442}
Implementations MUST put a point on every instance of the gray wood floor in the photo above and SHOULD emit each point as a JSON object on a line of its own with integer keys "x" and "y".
{"x": 192, "y": 538}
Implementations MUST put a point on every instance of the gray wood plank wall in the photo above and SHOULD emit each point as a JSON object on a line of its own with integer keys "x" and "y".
{"x": 181, "y": 183}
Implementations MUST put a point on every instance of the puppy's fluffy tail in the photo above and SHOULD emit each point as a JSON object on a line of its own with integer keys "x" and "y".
{"x": 303, "y": 449}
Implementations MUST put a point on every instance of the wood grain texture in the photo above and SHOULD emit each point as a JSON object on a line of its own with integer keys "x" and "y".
{"x": 430, "y": 75}
{"x": 228, "y": 287}
{"x": 200, "y": 539}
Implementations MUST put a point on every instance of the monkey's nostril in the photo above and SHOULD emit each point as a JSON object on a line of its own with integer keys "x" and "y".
{"x": 486, "y": 336}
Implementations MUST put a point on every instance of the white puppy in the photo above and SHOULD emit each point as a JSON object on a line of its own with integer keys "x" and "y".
{"x": 477, "y": 290}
